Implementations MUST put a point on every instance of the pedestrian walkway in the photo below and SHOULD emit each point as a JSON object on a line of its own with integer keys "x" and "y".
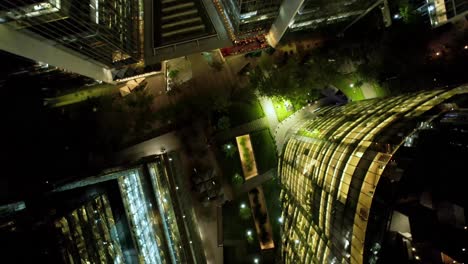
{"x": 246, "y": 128}
{"x": 164, "y": 143}
{"x": 257, "y": 181}
{"x": 269, "y": 110}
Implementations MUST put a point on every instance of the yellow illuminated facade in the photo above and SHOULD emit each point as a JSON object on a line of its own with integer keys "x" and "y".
{"x": 89, "y": 234}
{"x": 331, "y": 166}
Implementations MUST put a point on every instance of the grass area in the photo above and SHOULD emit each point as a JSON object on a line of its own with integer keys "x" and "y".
{"x": 231, "y": 166}
{"x": 285, "y": 108}
{"x": 353, "y": 93}
{"x": 264, "y": 150}
{"x": 356, "y": 93}
{"x": 83, "y": 94}
{"x": 243, "y": 112}
{"x": 281, "y": 110}
{"x": 271, "y": 190}
{"x": 235, "y": 227}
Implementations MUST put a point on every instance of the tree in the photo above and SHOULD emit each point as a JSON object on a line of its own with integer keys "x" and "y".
{"x": 224, "y": 123}
{"x": 217, "y": 65}
{"x": 245, "y": 213}
{"x": 237, "y": 180}
{"x": 229, "y": 149}
{"x": 173, "y": 74}
{"x": 221, "y": 104}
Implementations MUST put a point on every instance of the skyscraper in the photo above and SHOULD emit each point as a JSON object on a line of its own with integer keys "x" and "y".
{"x": 103, "y": 32}
{"x": 249, "y": 18}
{"x": 441, "y": 12}
{"x": 132, "y": 215}
{"x": 349, "y": 179}
{"x": 310, "y": 14}
{"x": 174, "y": 29}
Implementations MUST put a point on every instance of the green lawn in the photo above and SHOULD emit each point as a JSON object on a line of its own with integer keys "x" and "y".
{"x": 353, "y": 93}
{"x": 235, "y": 227}
{"x": 264, "y": 150}
{"x": 243, "y": 112}
{"x": 356, "y": 93}
{"x": 229, "y": 165}
{"x": 280, "y": 109}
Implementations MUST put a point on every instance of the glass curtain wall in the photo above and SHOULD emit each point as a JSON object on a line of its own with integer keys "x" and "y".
{"x": 103, "y": 30}
{"x": 331, "y": 167}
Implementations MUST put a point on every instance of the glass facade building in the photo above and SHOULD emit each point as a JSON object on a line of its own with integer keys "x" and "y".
{"x": 249, "y": 18}
{"x": 88, "y": 234}
{"x": 331, "y": 169}
{"x": 443, "y": 11}
{"x": 315, "y": 13}
{"x": 151, "y": 225}
{"x": 104, "y": 31}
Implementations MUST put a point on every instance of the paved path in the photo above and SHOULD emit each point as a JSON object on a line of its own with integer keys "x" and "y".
{"x": 368, "y": 91}
{"x": 257, "y": 181}
{"x": 269, "y": 110}
{"x": 246, "y": 128}
{"x": 169, "y": 141}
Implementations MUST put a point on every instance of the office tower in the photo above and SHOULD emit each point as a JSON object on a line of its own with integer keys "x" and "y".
{"x": 441, "y": 12}
{"x": 311, "y": 14}
{"x": 71, "y": 34}
{"x": 88, "y": 233}
{"x": 132, "y": 215}
{"x": 250, "y": 18}
{"x": 361, "y": 183}
{"x": 181, "y": 27}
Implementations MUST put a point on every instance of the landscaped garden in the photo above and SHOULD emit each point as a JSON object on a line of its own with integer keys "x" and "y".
{"x": 271, "y": 190}
{"x": 245, "y": 111}
{"x": 264, "y": 150}
{"x": 238, "y": 225}
{"x": 260, "y": 214}
{"x": 283, "y": 108}
{"x": 247, "y": 157}
{"x": 230, "y": 163}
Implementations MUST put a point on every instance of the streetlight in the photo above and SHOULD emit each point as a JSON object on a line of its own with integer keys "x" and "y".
{"x": 249, "y": 233}
{"x": 255, "y": 260}
{"x": 466, "y": 47}
{"x": 351, "y": 85}
{"x": 438, "y": 53}
{"x": 242, "y": 205}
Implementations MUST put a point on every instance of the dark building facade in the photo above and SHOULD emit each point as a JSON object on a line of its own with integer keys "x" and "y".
{"x": 132, "y": 215}
{"x": 441, "y": 12}
{"x": 104, "y": 31}
{"x": 349, "y": 177}
{"x": 315, "y": 13}
{"x": 249, "y": 18}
